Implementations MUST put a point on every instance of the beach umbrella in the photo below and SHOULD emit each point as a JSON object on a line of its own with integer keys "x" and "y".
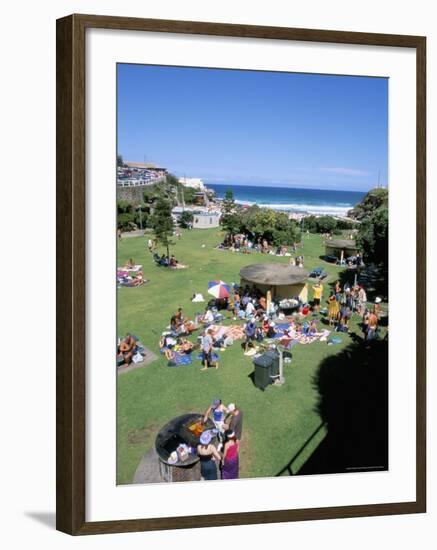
{"x": 218, "y": 289}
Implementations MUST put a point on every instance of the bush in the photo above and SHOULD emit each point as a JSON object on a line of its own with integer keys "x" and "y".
{"x": 126, "y": 222}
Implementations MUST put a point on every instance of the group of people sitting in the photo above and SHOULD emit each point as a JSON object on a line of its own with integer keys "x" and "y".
{"x": 221, "y": 454}
{"x": 181, "y": 325}
{"x": 167, "y": 261}
{"x": 244, "y": 243}
{"x": 297, "y": 261}
{"x": 257, "y": 332}
{"x": 170, "y": 345}
{"x": 130, "y": 274}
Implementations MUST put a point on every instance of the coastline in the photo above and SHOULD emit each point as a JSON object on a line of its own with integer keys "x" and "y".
{"x": 296, "y": 202}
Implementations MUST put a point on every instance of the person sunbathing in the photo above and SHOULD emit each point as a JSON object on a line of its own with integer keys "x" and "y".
{"x": 271, "y": 331}
{"x": 207, "y": 317}
{"x": 126, "y": 348}
{"x": 166, "y": 344}
{"x": 313, "y": 328}
{"x": 129, "y": 264}
{"x": 138, "y": 279}
{"x": 169, "y": 354}
{"x": 190, "y": 326}
{"x": 185, "y": 345}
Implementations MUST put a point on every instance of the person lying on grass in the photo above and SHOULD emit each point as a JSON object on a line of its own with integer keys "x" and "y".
{"x": 166, "y": 345}
{"x": 138, "y": 279}
{"x": 184, "y": 345}
{"x": 173, "y": 263}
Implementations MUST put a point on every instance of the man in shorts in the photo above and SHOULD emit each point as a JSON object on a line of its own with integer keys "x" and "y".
{"x": 206, "y": 346}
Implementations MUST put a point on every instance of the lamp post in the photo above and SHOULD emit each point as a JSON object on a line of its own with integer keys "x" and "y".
{"x": 141, "y": 217}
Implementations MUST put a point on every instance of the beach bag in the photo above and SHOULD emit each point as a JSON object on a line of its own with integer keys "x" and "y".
{"x": 137, "y": 358}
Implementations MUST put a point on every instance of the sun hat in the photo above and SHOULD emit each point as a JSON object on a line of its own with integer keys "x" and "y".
{"x": 205, "y": 438}
{"x": 231, "y": 407}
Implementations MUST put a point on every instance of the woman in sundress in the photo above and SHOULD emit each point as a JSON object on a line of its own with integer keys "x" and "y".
{"x": 230, "y": 468}
{"x": 333, "y": 309}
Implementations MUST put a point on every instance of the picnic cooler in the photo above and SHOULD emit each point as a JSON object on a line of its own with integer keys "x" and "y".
{"x": 266, "y": 367}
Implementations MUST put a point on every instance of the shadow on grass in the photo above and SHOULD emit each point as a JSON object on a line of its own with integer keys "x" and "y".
{"x": 353, "y": 405}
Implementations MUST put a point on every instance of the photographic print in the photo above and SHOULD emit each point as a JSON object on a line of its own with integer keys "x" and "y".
{"x": 252, "y": 274}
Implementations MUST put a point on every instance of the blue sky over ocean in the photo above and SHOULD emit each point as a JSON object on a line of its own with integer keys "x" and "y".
{"x": 256, "y": 128}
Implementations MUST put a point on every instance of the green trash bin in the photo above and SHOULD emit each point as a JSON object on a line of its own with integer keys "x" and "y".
{"x": 266, "y": 366}
{"x": 274, "y": 366}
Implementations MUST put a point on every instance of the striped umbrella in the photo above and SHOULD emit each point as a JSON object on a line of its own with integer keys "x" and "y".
{"x": 218, "y": 289}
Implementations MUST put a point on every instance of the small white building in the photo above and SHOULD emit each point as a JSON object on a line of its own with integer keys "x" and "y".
{"x": 206, "y": 220}
{"x": 202, "y": 218}
{"x": 194, "y": 183}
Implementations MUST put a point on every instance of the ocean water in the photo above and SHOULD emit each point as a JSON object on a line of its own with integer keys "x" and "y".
{"x": 311, "y": 201}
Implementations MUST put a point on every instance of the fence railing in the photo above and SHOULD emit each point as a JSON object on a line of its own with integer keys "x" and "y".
{"x": 139, "y": 182}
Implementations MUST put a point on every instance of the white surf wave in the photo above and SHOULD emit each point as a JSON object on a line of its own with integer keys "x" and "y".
{"x": 315, "y": 209}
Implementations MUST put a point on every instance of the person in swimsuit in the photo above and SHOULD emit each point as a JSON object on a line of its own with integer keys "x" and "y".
{"x": 126, "y": 349}
{"x": 216, "y": 411}
{"x": 209, "y": 457}
{"x": 372, "y": 326}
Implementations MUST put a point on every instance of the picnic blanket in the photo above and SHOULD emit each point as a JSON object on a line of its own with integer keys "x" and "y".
{"x": 289, "y": 341}
{"x": 125, "y": 270}
{"x": 235, "y": 332}
{"x": 214, "y": 356}
{"x": 129, "y": 282}
{"x": 180, "y": 359}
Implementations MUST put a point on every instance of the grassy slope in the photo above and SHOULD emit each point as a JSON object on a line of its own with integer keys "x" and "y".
{"x": 277, "y": 422}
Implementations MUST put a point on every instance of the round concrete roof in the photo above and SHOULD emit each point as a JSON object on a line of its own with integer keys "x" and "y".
{"x": 274, "y": 274}
{"x": 341, "y": 243}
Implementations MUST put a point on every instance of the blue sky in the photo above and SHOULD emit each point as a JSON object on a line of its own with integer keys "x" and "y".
{"x": 257, "y": 128}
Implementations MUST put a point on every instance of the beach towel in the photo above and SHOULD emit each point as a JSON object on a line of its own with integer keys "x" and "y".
{"x": 125, "y": 270}
{"x": 180, "y": 359}
{"x": 214, "y": 356}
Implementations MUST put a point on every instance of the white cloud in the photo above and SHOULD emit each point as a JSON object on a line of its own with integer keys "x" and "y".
{"x": 346, "y": 171}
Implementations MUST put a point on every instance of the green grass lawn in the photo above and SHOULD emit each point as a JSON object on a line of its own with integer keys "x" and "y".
{"x": 277, "y": 422}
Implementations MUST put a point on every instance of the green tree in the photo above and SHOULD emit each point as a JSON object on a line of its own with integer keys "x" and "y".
{"x": 162, "y": 223}
{"x": 373, "y": 237}
{"x": 186, "y": 218}
{"x": 326, "y": 224}
{"x": 126, "y": 221}
{"x": 375, "y": 198}
{"x": 120, "y": 161}
{"x": 230, "y": 219}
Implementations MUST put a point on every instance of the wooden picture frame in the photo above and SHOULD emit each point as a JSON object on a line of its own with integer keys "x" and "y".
{"x": 71, "y": 248}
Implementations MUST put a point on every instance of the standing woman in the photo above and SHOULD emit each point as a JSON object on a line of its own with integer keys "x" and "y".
{"x": 231, "y": 466}
{"x": 209, "y": 457}
{"x": 338, "y": 290}
{"x": 333, "y": 309}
